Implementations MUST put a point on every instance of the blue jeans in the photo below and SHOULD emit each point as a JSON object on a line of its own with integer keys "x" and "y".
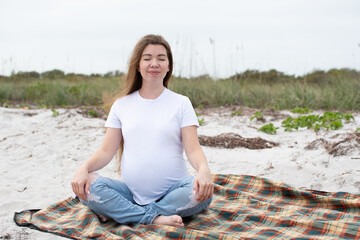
{"x": 112, "y": 198}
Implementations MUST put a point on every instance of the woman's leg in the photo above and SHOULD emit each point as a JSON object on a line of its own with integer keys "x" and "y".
{"x": 112, "y": 198}
{"x": 180, "y": 200}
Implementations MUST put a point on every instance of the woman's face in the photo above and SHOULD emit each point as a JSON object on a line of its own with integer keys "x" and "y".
{"x": 154, "y": 63}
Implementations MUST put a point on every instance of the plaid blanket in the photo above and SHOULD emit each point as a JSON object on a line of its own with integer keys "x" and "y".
{"x": 244, "y": 207}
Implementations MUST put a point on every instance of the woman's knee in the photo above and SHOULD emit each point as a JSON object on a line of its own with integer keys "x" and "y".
{"x": 181, "y": 201}
{"x": 193, "y": 207}
{"x": 104, "y": 189}
{"x": 101, "y": 190}
{"x": 96, "y": 185}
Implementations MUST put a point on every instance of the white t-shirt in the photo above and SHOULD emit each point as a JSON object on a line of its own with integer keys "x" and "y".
{"x": 152, "y": 160}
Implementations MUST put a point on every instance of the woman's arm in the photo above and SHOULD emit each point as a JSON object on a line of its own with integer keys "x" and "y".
{"x": 203, "y": 184}
{"x": 80, "y": 182}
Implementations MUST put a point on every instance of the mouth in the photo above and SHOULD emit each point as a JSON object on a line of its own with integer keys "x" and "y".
{"x": 154, "y": 72}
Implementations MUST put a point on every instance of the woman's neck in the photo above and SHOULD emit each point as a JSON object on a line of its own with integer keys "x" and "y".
{"x": 151, "y": 92}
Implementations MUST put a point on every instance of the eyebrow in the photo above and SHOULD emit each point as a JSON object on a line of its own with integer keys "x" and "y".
{"x": 148, "y": 54}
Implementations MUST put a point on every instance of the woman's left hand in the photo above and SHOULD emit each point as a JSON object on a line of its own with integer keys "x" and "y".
{"x": 203, "y": 185}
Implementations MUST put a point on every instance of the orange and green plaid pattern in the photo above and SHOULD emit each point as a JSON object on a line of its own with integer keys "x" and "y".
{"x": 244, "y": 207}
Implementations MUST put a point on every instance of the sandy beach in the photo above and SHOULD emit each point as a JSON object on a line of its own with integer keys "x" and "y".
{"x": 40, "y": 152}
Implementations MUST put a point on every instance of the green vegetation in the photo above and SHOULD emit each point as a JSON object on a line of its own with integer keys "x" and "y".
{"x": 258, "y": 115}
{"x": 328, "y": 121}
{"x": 236, "y": 113}
{"x": 301, "y": 110}
{"x": 92, "y": 113}
{"x": 268, "y": 128}
{"x": 200, "y": 120}
{"x": 55, "y": 113}
{"x": 336, "y": 89}
{"x": 55, "y": 89}
{"x": 201, "y": 106}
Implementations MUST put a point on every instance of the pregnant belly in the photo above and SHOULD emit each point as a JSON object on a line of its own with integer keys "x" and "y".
{"x": 149, "y": 178}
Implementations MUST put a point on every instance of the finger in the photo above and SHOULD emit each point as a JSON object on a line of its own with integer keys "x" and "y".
{"x": 79, "y": 190}
{"x": 207, "y": 191}
{"x": 210, "y": 194}
{"x": 75, "y": 189}
{"x": 87, "y": 187}
{"x": 82, "y": 196}
{"x": 196, "y": 186}
{"x": 200, "y": 196}
{"x": 82, "y": 193}
{"x": 210, "y": 189}
{"x": 206, "y": 194}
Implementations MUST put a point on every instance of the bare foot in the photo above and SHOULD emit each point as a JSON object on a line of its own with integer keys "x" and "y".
{"x": 102, "y": 218}
{"x": 173, "y": 220}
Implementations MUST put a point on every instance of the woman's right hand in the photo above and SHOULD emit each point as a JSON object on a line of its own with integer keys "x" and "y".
{"x": 80, "y": 183}
{"x": 81, "y": 180}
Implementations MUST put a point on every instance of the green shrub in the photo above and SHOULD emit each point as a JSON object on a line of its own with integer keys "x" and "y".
{"x": 269, "y": 128}
{"x": 258, "y": 115}
{"x": 55, "y": 113}
{"x": 25, "y": 75}
{"x": 92, "y": 113}
{"x": 301, "y": 110}
{"x": 53, "y": 74}
{"x": 328, "y": 121}
{"x": 236, "y": 113}
{"x": 200, "y": 120}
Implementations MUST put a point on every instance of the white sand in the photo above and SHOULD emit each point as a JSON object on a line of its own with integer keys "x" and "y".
{"x": 39, "y": 154}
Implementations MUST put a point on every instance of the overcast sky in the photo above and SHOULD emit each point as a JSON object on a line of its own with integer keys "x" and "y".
{"x": 207, "y": 37}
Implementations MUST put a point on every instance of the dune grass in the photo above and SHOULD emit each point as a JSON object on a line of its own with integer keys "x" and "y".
{"x": 339, "y": 94}
{"x": 336, "y": 89}
{"x": 57, "y": 93}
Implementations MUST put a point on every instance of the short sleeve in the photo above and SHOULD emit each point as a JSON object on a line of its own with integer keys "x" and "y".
{"x": 188, "y": 116}
{"x": 113, "y": 119}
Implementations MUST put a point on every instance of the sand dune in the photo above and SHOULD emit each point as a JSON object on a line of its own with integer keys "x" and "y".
{"x": 40, "y": 152}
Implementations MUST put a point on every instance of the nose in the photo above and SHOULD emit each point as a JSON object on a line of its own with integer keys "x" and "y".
{"x": 154, "y": 63}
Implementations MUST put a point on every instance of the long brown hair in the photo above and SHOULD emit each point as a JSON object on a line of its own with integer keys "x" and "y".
{"x": 133, "y": 77}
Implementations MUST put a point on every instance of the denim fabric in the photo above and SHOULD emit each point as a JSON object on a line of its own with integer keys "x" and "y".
{"x": 112, "y": 198}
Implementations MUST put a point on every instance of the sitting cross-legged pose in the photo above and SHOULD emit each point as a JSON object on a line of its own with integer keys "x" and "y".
{"x": 151, "y": 126}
